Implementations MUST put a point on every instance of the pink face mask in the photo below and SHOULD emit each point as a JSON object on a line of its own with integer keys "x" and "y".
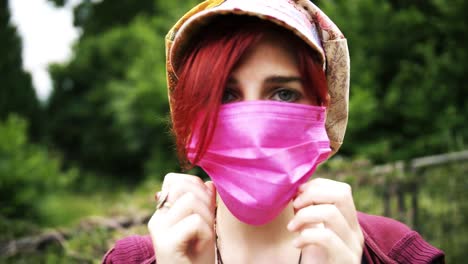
{"x": 261, "y": 152}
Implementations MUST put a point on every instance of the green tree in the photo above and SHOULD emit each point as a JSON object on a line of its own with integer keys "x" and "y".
{"x": 94, "y": 17}
{"x": 16, "y": 90}
{"x": 108, "y": 109}
{"x": 408, "y": 76}
{"x": 28, "y": 172}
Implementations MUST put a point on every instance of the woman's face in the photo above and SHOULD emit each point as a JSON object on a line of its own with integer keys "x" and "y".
{"x": 268, "y": 71}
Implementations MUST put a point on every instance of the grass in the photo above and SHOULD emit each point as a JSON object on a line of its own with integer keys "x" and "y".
{"x": 67, "y": 210}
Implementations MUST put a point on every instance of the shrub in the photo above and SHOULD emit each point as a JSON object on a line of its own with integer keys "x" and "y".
{"x": 27, "y": 172}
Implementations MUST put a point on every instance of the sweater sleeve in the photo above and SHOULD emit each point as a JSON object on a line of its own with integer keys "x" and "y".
{"x": 131, "y": 250}
{"x": 390, "y": 241}
{"x": 414, "y": 249}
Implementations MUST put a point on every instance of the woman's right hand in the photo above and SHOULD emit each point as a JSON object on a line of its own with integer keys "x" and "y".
{"x": 183, "y": 232}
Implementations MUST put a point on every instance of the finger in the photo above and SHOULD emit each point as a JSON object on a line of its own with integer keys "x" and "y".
{"x": 176, "y": 184}
{"x": 175, "y": 178}
{"x": 153, "y": 224}
{"x": 210, "y": 185}
{"x": 327, "y": 240}
{"x": 324, "y": 191}
{"x": 186, "y": 205}
{"x": 327, "y": 214}
{"x": 202, "y": 193}
{"x": 212, "y": 189}
{"x": 192, "y": 231}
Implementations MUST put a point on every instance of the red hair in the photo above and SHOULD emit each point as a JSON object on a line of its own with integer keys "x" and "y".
{"x": 207, "y": 65}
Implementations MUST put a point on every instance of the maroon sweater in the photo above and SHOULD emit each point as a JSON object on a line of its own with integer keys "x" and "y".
{"x": 386, "y": 241}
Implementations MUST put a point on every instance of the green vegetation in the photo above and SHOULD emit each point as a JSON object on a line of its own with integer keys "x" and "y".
{"x": 16, "y": 89}
{"x": 407, "y": 83}
{"x": 100, "y": 145}
{"x": 29, "y": 173}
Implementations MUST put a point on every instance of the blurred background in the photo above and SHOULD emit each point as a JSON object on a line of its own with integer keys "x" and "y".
{"x": 84, "y": 139}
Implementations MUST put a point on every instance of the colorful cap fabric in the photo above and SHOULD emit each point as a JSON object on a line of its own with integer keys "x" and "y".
{"x": 301, "y": 17}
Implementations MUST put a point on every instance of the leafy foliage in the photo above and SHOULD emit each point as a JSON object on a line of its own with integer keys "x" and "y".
{"x": 16, "y": 91}
{"x": 27, "y": 172}
{"x": 108, "y": 110}
{"x": 444, "y": 207}
{"x": 93, "y": 114}
{"x": 407, "y": 84}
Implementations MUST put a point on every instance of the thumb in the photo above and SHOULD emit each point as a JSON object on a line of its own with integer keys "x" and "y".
{"x": 212, "y": 188}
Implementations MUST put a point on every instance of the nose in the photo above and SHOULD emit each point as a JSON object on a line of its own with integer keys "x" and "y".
{"x": 252, "y": 92}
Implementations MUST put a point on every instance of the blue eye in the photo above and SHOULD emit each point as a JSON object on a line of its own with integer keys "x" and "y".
{"x": 286, "y": 95}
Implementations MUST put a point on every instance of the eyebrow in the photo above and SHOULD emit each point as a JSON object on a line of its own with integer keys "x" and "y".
{"x": 273, "y": 79}
{"x": 282, "y": 79}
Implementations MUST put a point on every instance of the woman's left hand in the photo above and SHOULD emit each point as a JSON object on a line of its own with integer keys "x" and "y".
{"x": 327, "y": 223}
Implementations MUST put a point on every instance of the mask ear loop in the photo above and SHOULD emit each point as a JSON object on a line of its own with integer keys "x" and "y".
{"x": 219, "y": 260}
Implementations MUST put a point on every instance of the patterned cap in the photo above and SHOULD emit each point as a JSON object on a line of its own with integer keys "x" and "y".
{"x": 304, "y": 19}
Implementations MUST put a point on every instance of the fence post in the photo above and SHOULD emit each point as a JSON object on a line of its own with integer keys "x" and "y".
{"x": 401, "y": 189}
{"x": 415, "y": 206}
{"x": 386, "y": 201}
{"x": 415, "y": 172}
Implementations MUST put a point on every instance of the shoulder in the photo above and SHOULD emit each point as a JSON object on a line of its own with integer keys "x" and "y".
{"x": 132, "y": 249}
{"x": 394, "y": 242}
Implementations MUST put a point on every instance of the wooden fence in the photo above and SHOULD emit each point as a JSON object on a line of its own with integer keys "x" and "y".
{"x": 410, "y": 175}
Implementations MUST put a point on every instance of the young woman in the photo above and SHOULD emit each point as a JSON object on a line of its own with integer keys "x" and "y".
{"x": 258, "y": 93}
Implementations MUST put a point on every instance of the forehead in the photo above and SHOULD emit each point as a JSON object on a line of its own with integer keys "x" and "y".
{"x": 263, "y": 61}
